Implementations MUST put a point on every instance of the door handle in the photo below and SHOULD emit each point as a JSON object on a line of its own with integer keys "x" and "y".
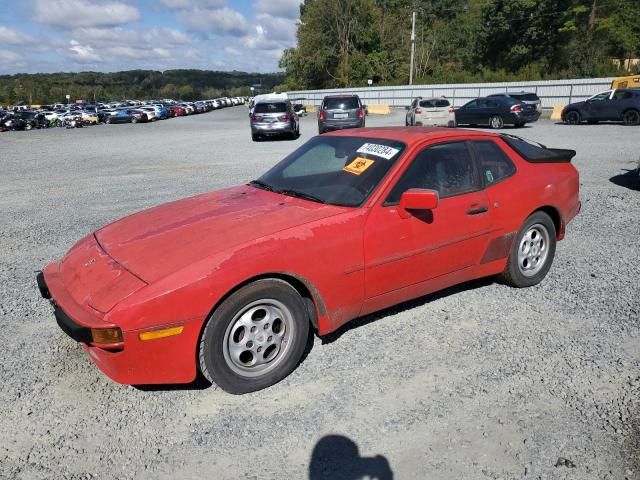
{"x": 477, "y": 210}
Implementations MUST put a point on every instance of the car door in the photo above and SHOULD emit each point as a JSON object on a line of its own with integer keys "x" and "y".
{"x": 597, "y": 106}
{"x": 408, "y": 255}
{"x": 468, "y": 113}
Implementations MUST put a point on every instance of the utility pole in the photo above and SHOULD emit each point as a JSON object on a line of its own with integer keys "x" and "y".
{"x": 413, "y": 45}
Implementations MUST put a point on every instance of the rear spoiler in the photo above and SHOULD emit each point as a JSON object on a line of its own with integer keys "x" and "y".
{"x": 534, "y": 152}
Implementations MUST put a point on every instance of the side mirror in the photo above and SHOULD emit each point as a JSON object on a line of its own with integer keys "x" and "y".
{"x": 417, "y": 199}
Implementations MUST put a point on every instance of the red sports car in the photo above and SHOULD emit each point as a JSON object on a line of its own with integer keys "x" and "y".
{"x": 231, "y": 283}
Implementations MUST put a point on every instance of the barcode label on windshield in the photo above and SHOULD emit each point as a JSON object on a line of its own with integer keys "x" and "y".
{"x": 378, "y": 150}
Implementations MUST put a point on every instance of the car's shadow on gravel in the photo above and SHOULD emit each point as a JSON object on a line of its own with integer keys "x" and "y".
{"x": 630, "y": 180}
{"x": 367, "y": 319}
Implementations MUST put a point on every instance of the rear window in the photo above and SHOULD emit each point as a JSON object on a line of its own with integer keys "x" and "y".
{"x": 270, "y": 107}
{"x": 529, "y": 97}
{"x": 341, "y": 103}
{"x": 434, "y": 103}
{"x": 537, "y": 153}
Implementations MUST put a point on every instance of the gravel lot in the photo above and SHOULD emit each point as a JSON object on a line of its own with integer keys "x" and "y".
{"x": 477, "y": 382}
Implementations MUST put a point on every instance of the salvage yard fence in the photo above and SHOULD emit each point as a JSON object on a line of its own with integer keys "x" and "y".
{"x": 551, "y": 92}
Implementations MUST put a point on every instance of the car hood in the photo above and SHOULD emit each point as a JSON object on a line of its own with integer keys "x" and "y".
{"x": 574, "y": 105}
{"x": 159, "y": 241}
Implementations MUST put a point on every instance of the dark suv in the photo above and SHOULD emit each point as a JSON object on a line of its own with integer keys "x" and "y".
{"x": 340, "y": 111}
{"x": 613, "y": 105}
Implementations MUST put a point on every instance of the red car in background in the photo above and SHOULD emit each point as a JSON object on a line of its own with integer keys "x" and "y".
{"x": 231, "y": 283}
{"x": 178, "y": 111}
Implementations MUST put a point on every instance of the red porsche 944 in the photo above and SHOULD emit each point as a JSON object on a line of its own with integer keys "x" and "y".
{"x": 230, "y": 284}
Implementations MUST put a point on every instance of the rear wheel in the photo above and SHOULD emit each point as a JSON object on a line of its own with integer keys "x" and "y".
{"x": 532, "y": 252}
{"x": 496, "y": 122}
{"x": 255, "y": 137}
{"x": 572, "y": 117}
{"x": 255, "y": 338}
{"x": 108, "y": 121}
{"x": 631, "y": 117}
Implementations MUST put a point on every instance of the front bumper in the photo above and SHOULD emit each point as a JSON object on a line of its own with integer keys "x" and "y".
{"x": 133, "y": 361}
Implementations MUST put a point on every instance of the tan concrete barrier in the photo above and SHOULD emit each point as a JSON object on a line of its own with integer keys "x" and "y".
{"x": 557, "y": 111}
{"x": 311, "y": 108}
{"x": 379, "y": 108}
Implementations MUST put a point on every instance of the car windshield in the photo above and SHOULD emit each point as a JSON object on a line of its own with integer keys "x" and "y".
{"x": 271, "y": 107}
{"x": 341, "y": 103}
{"x": 336, "y": 170}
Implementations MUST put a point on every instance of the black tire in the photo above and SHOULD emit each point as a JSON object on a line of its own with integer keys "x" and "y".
{"x": 631, "y": 117}
{"x": 255, "y": 137}
{"x": 321, "y": 131}
{"x": 515, "y": 273}
{"x": 496, "y": 122}
{"x": 134, "y": 120}
{"x": 519, "y": 125}
{"x": 572, "y": 117}
{"x": 108, "y": 121}
{"x": 215, "y": 360}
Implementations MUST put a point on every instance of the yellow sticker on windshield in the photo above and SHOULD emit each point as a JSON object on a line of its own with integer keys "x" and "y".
{"x": 358, "y": 166}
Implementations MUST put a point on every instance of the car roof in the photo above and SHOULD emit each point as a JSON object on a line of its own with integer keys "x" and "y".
{"x": 410, "y": 135}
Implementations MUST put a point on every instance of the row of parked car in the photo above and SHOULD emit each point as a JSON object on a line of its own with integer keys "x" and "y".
{"x": 496, "y": 110}
{"x": 517, "y": 109}
{"x": 127, "y": 111}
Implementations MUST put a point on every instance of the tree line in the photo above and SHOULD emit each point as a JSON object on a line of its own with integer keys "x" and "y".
{"x": 343, "y": 43}
{"x": 48, "y": 88}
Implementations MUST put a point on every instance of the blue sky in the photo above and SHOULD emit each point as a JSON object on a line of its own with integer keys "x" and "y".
{"x": 112, "y": 35}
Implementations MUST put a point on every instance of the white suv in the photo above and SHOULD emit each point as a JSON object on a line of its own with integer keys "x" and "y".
{"x": 431, "y": 112}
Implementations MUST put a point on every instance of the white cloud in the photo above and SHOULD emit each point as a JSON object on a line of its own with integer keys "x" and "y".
{"x": 219, "y": 21}
{"x": 7, "y": 57}
{"x": 13, "y": 37}
{"x": 83, "y": 53}
{"x": 84, "y": 13}
{"x": 186, "y": 4}
{"x": 231, "y": 50}
{"x": 279, "y": 8}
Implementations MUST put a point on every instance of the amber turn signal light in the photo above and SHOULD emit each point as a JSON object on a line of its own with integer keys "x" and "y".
{"x": 165, "y": 332}
{"x": 106, "y": 335}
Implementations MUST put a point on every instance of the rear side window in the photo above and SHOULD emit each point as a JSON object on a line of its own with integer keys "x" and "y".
{"x": 341, "y": 103}
{"x": 270, "y": 107}
{"x": 434, "y": 103}
{"x": 494, "y": 163}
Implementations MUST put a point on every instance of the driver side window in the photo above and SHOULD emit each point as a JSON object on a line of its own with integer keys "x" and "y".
{"x": 446, "y": 168}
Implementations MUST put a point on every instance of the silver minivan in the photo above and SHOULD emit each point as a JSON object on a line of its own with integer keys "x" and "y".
{"x": 273, "y": 115}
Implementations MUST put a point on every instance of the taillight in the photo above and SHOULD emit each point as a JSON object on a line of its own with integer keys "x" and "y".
{"x": 285, "y": 117}
{"x": 516, "y": 108}
{"x": 451, "y": 110}
{"x": 360, "y": 112}
{"x": 256, "y": 118}
{"x": 321, "y": 115}
{"x": 418, "y": 111}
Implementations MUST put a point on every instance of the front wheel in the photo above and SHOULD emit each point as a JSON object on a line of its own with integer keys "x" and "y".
{"x": 532, "y": 252}
{"x": 572, "y": 117}
{"x": 255, "y": 338}
{"x": 631, "y": 117}
{"x": 496, "y": 122}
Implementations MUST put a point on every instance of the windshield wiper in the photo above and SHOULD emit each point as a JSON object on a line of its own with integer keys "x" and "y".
{"x": 262, "y": 185}
{"x": 295, "y": 193}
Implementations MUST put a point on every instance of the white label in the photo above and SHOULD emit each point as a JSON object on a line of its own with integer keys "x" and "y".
{"x": 378, "y": 150}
